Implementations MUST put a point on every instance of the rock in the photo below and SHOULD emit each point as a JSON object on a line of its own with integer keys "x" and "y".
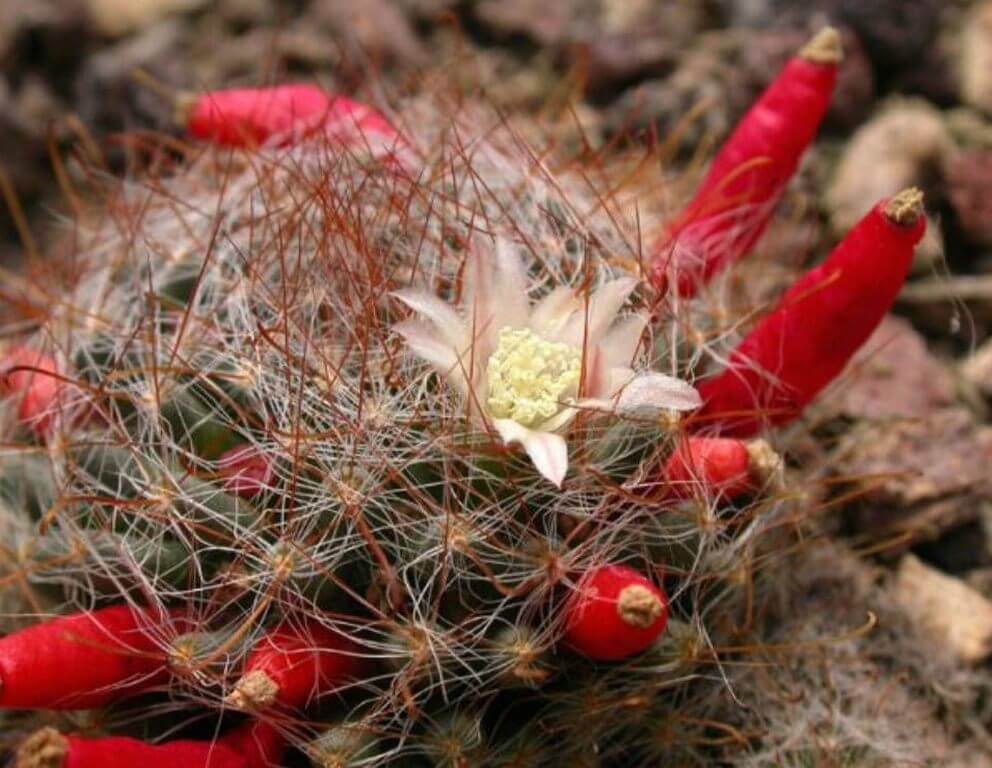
{"x": 854, "y": 94}
{"x": 298, "y": 47}
{"x": 902, "y": 146}
{"x": 960, "y": 305}
{"x": 611, "y": 43}
{"x": 916, "y": 478}
{"x": 109, "y": 98}
{"x": 28, "y": 116}
{"x": 976, "y": 369}
{"x": 116, "y": 18}
{"x": 246, "y": 12}
{"x": 961, "y": 550}
{"x": 719, "y": 75}
{"x": 925, "y": 459}
{"x": 545, "y": 23}
{"x": 969, "y": 128}
{"x": 975, "y": 62}
{"x": 632, "y": 39}
{"x": 893, "y": 376}
{"x": 428, "y": 9}
{"x": 894, "y": 32}
{"x": 954, "y": 617}
{"x": 968, "y": 176}
{"x": 371, "y": 29}
{"x": 697, "y": 100}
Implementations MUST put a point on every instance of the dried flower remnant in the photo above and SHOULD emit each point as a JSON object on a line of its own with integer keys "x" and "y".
{"x": 528, "y": 370}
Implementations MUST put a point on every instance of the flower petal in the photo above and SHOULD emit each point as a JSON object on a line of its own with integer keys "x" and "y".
{"x": 478, "y": 300}
{"x": 619, "y": 345}
{"x": 442, "y": 314}
{"x": 548, "y": 451}
{"x": 649, "y": 394}
{"x": 587, "y": 325}
{"x": 560, "y": 420}
{"x": 511, "y": 303}
{"x": 423, "y": 341}
{"x": 548, "y": 315}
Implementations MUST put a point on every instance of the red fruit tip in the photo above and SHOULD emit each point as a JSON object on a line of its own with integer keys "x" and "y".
{"x": 823, "y": 48}
{"x": 905, "y": 208}
{"x": 46, "y": 748}
{"x": 256, "y": 690}
{"x": 766, "y": 466}
{"x": 638, "y": 606}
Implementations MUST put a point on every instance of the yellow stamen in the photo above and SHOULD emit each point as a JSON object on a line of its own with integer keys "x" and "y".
{"x": 529, "y": 377}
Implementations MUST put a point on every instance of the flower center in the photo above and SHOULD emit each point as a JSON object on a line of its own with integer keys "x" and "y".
{"x": 529, "y": 377}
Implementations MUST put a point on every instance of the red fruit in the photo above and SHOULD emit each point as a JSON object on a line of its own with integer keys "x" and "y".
{"x": 282, "y": 115}
{"x": 718, "y": 467}
{"x": 820, "y": 322}
{"x": 32, "y": 377}
{"x": 48, "y": 748}
{"x": 736, "y": 199}
{"x": 258, "y": 743}
{"x": 246, "y": 471}
{"x": 85, "y": 660}
{"x": 295, "y": 663}
{"x": 614, "y": 613}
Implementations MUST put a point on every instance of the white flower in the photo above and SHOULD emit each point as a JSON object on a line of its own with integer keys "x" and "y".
{"x": 526, "y": 370}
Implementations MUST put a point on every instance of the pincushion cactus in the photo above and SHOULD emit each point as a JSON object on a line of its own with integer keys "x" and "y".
{"x": 279, "y": 437}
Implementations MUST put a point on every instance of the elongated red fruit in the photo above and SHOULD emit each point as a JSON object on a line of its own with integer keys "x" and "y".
{"x": 85, "y": 660}
{"x": 820, "y": 322}
{"x": 258, "y": 743}
{"x": 614, "y": 613}
{"x": 33, "y": 378}
{"x": 736, "y": 199}
{"x": 48, "y": 748}
{"x": 281, "y": 115}
{"x": 293, "y": 664}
